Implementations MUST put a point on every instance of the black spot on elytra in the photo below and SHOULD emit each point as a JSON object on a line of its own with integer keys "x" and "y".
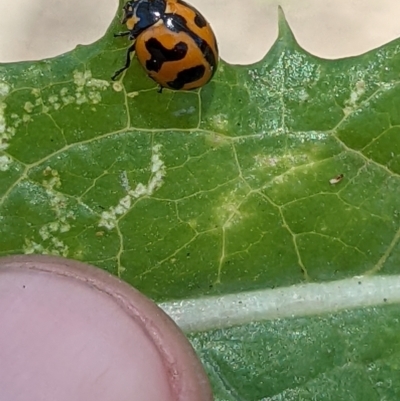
{"x": 177, "y": 23}
{"x": 199, "y": 20}
{"x": 159, "y": 54}
{"x": 187, "y": 76}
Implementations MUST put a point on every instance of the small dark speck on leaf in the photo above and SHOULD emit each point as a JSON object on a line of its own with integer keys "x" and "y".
{"x": 359, "y": 283}
{"x": 384, "y": 299}
{"x": 188, "y": 255}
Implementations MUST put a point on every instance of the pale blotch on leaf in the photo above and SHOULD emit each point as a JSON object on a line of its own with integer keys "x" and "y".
{"x": 38, "y": 101}
{"x": 57, "y": 248}
{"x": 289, "y": 160}
{"x": 81, "y": 77}
{"x": 109, "y": 218}
{"x": 193, "y": 224}
{"x": 54, "y": 180}
{"x": 4, "y": 90}
{"x": 3, "y": 126}
{"x": 4, "y": 133}
{"x": 66, "y": 97}
{"x": 124, "y": 205}
{"x": 355, "y": 96}
{"x": 33, "y": 72}
{"x": 48, "y": 232}
{"x": 158, "y": 171}
{"x": 216, "y": 140}
{"x": 28, "y": 107}
{"x": 54, "y": 101}
{"x": 35, "y": 92}
{"x": 17, "y": 120}
{"x": 99, "y": 84}
{"x": 308, "y": 136}
{"x": 263, "y": 161}
{"x": 88, "y": 88}
{"x": 227, "y": 211}
{"x": 220, "y": 122}
{"x": 45, "y": 231}
{"x": 95, "y": 97}
{"x": 125, "y": 181}
{"x": 182, "y": 112}
{"x": 303, "y": 95}
{"x": 80, "y": 98}
{"x": 5, "y": 162}
{"x": 31, "y": 246}
{"x": 280, "y": 179}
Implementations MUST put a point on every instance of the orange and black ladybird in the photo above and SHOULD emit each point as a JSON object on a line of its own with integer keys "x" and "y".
{"x": 173, "y": 42}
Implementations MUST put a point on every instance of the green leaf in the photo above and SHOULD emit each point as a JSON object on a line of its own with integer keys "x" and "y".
{"x": 217, "y": 192}
{"x": 325, "y": 341}
{"x": 353, "y": 355}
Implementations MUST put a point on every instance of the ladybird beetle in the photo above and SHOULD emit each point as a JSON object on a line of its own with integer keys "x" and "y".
{"x": 173, "y": 42}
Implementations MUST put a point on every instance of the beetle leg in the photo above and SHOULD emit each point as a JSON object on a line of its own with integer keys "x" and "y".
{"x": 131, "y": 49}
{"x": 119, "y": 34}
{"x": 160, "y": 89}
